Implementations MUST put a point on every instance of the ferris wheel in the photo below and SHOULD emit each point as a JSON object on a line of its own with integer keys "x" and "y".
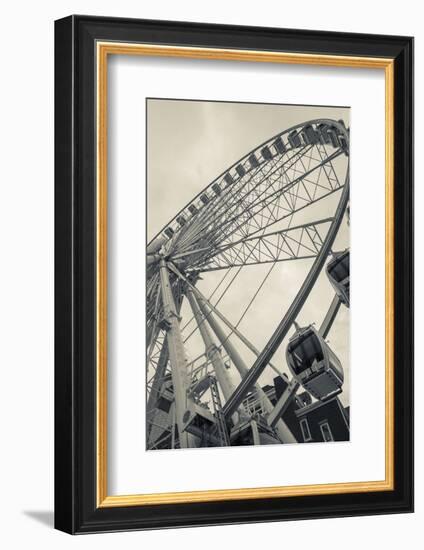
{"x": 263, "y": 210}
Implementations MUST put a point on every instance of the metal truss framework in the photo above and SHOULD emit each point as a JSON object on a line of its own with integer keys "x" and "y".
{"x": 242, "y": 218}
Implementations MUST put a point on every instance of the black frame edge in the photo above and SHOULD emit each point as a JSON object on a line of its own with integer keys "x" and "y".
{"x": 404, "y": 270}
{"x": 64, "y": 449}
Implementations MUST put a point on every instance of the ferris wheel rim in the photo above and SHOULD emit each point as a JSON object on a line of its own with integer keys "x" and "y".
{"x": 331, "y": 122}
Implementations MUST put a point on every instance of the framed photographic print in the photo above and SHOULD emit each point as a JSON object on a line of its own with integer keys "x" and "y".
{"x": 234, "y": 274}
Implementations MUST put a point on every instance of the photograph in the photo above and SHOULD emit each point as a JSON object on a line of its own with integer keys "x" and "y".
{"x": 247, "y": 274}
{"x": 189, "y": 188}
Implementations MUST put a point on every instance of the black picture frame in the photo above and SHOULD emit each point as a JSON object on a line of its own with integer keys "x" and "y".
{"x": 76, "y": 509}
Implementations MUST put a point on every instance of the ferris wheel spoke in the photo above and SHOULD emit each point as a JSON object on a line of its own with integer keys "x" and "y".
{"x": 330, "y": 172}
{"x": 268, "y": 196}
{"x": 270, "y": 181}
{"x": 223, "y": 293}
{"x": 247, "y": 184}
{"x": 233, "y": 203}
{"x": 227, "y": 272}
{"x": 208, "y": 253}
{"x": 293, "y": 191}
{"x": 299, "y": 242}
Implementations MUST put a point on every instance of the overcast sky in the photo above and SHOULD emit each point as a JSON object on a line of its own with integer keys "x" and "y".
{"x": 192, "y": 142}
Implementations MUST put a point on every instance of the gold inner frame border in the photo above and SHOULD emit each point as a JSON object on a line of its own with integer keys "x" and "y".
{"x": 103, "y": 50}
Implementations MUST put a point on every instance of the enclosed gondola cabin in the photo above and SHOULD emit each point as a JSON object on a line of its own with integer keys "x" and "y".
{"x": 216, "y": 188}
{"x": 294, "y": 139}
{"x": 241, "y": 171}
{"x": 181, "y": 220}
{"x": 193, "y": 209}
{"x": 169, "y": 232}
{"x": 279, "y": 146}
{"x": 338, "y": 273}
{"x": 254, "y": 163}
{"x": 313, "y": 364}
{"x": 229, "y": 180}
{"x": 310, "y": 135}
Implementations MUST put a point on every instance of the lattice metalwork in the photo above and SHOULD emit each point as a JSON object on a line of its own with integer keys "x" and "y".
{"x": 262, "y": 210}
